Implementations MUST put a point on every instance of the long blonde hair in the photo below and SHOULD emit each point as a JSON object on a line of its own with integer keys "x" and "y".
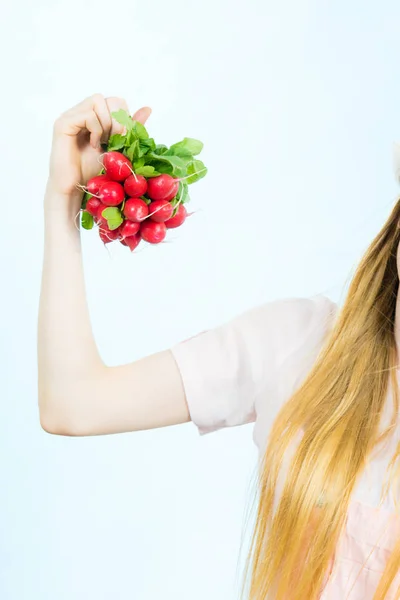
{"x": 338, "y": 408}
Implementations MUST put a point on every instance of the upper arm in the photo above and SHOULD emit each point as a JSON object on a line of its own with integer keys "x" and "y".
{"x": 145, "y": 394}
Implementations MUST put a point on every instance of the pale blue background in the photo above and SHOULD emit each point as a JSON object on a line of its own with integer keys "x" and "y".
{"x": 298, "y": 105}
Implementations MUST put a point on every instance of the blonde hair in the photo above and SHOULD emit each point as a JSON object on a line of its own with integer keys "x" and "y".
{"x": 338, "y": 407}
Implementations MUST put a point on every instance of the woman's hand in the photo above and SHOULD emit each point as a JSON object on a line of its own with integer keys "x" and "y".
{"x": 76, "y": 150}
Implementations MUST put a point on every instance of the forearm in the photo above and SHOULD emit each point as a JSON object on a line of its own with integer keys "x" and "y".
{"x": 67, "y": 353}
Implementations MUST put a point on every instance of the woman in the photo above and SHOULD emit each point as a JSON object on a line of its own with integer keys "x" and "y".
{"x": 321, "y": 386}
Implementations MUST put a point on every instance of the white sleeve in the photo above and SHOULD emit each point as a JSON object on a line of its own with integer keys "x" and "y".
{"x": 226, "y": 368}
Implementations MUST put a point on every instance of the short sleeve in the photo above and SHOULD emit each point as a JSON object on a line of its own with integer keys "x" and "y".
{"x": 225, "y": 369}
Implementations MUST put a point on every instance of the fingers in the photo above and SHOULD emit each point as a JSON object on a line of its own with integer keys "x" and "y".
{"x": 93, "y": 125}
{"x": 102, "y": 111}
{"x": 91, "y": 114}
{"x": 113, "y": 105}
{"x": 73, "y": 123}
{"x": 142, "y": 114}
{"x": 94, "y": 115}
{"x": 106, "y": 106}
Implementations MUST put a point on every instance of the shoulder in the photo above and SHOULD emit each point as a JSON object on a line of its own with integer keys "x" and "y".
{"x": 294, "y": 311}
{"x": 271, "y": 329}
{"x": 289, "y": 322}
{"x": 225, "y": 368}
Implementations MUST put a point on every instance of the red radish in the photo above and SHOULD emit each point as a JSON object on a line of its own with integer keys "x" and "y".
{"x": 153, "y": 232}
{"x": 113, "y": 234}
{"x": 132, "y": 241}
{"x": 129, "y": 228}
{"x": 118, "y": 167}
{"x": 136, "y": 209}
{"x": 99, "y": 217}
{"x": 92, "y": 206}
{"x": 93, "y": 185}
{"x": 162, "y": 187}
{"x": 172, "y": 195}
{"x": 104, "y": 237}
{"x": 108, "y": 236}
{"x": 103, "y": 224}
{"x": 160, "y": 211}
{"x": 178, "y": 219}
{"x": 111, "y": 193}
{"x": 135, "y": 186}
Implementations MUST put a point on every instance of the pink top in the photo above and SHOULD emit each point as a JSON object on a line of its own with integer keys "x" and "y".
{"x": 243, "y": 372}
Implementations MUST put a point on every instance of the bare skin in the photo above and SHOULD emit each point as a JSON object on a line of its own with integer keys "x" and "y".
{"x": 78, "y": 394}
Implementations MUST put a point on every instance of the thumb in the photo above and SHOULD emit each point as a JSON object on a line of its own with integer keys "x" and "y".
{"x": 142, "y": 114}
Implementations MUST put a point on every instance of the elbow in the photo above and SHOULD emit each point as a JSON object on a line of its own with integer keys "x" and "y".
{"x": 56, "y": 419}
{"x": 65, "y": 407}
{"x": 53, "y": 425}
{"x": 56, "y": 425}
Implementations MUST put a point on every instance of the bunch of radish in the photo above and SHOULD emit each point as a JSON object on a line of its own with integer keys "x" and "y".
{"x": 142, "y": 189}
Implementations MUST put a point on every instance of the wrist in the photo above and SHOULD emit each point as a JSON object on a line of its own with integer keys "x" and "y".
{"x": 64, "y": 206}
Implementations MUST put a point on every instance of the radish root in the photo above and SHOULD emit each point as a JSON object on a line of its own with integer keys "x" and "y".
{"x": 76, "y": 216}
{"x": 135, "y": 176}
{"x": 189, "y": 176}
